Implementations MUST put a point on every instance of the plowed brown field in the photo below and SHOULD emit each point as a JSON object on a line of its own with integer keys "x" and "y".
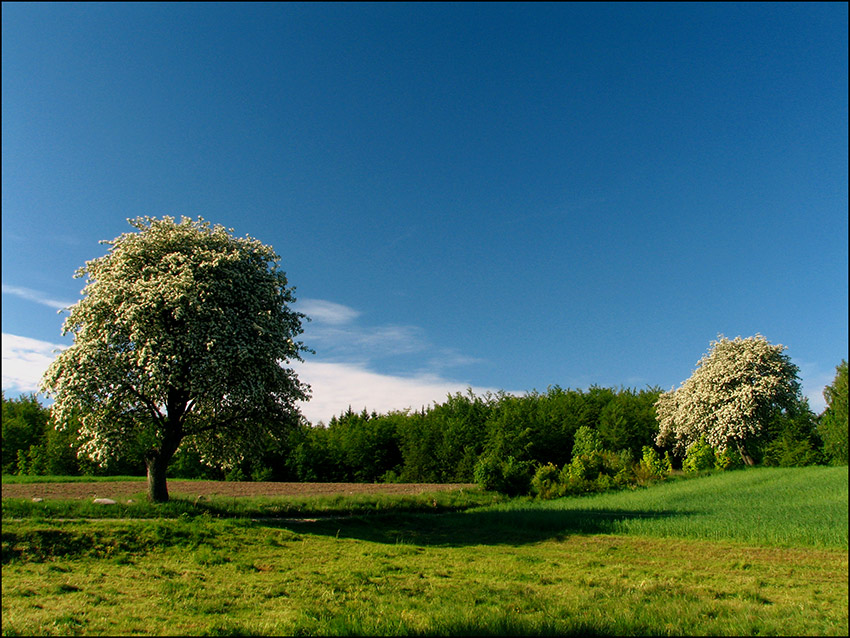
{"x": 116, "y": 489}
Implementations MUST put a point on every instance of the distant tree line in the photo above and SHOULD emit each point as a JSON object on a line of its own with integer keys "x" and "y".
{"x": 557, "y": 442}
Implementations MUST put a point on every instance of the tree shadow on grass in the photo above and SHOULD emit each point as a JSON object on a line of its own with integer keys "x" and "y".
{"x": 475, "y": 527}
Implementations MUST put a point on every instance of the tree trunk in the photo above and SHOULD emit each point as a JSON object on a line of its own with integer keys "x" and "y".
{"x": 157, "y": 463}
{"x": 748, "y": 460}
{"x": 157, "y": 487}
{"x": 157, "y": 460}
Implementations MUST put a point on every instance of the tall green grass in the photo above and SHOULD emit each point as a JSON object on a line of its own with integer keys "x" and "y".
{"x": 784, "y": 507}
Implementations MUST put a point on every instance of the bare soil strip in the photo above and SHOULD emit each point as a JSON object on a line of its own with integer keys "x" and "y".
{"x": 115, "y": 489}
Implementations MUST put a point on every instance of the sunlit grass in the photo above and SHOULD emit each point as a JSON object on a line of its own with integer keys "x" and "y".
{"x": 185, "y": 577}
{"x": 767, "y": 506}
{"x": 137, "y": 505}
{"x": 612, "y": 564}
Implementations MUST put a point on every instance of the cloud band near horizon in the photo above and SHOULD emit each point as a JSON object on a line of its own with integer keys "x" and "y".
{"x": 335, "y": 386}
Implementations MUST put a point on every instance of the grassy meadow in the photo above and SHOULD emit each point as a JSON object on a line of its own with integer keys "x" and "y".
{"x": 757, "y": 551}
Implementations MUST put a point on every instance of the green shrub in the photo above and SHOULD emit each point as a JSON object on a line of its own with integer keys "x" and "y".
{"x": 699, "y": 457}
{"x": 581, "y": 468}
{"x": 509, "y": 476}
{"x": 261, "y": 474}
{"x": 619, "y": 465}
{"x": 546, "y": 482}
{"x": 728, "y": 459}
{"x": 586, "y": 442}
{"x": 487, "y": 473}
{"x": 789, "y": 451}
{"x": 651, "y": 467}
{"x": 24, "y": 425}
{"x": 34, "y": 461}
{"x": 516, "y": 476}
{"x": 603, "y": 483}
{"x": 390, "y": 476}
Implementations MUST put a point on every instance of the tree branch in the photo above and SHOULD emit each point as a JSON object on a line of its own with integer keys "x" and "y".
{"x": 157, "y": 415}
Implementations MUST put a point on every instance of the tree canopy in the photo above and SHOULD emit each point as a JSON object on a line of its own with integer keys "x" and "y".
{"x": 183, "y": 332}
{"x": 737, "y": 388}
{"x": 833, "y": 425}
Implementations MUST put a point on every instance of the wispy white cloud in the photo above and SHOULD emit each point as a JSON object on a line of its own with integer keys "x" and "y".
{"x": 36, "y": 296}
{"x": 448, "y": 358}
{"x": 328, "y": 312}
{"x": 365, "y": 342}
{"x": 335, "y": 334}
{"x": 343, "y": 377}
{"x": 338, "y": 386}
{"x": 25, "y": 360}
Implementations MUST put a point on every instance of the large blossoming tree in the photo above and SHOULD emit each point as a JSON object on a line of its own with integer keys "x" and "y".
{"x": 183, "y": 335}
{"x": 736, "y": 389}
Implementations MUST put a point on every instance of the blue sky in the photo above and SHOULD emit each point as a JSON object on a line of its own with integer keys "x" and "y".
{"x": 499, "y": 196}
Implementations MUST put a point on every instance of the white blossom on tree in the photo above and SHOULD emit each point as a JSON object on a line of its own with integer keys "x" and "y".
{"x": 183, "y": 333}
{"x": 737, "y": 387}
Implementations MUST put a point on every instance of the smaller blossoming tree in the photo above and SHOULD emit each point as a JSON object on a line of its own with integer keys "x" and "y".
{"x": 737, "y": 387}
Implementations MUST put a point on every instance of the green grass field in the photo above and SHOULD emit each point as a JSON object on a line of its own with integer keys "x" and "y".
{"x": 761, "y": 551}
{"x": 255, "y": 507}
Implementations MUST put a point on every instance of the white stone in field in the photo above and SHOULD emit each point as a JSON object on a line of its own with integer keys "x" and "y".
{"x": 104, "y": 501}
{"x": 37, "y": 499}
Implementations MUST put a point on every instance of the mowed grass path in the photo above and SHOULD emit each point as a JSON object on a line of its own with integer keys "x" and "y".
{"x": 759, "y": 551}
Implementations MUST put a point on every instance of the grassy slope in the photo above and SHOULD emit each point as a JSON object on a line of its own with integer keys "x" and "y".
{"x": 790, "y": 507}
{"x": 678, "y": 558}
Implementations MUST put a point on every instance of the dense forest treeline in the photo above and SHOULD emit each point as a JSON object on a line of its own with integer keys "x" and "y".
{"x": 602, "y": 435}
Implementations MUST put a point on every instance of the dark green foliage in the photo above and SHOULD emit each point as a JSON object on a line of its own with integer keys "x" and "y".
{"x": 361, "y": 448}
{"x": 418, "y": 439}
{"x": 593, "y": 468}
{"x": 313, "y": 458}
{"x": 509, "y": 476}
{"x": 794, "y": 439}
{"x": 564, "y": 412}
{"x": 560, "y": 442}
{"x": 628, "y": 420}
{"x": 24, "y": 428}
{"x": 33, "y": 446}
{"x": 460, "y": 437}
{"x": 60, "y": 449}
{"x": 833, "y": 427}
{"x": 518, "y": 429}
{"x": 587, "y": 444}
{"x": 187, "y": 464}
{"x": 366, "y": 446}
